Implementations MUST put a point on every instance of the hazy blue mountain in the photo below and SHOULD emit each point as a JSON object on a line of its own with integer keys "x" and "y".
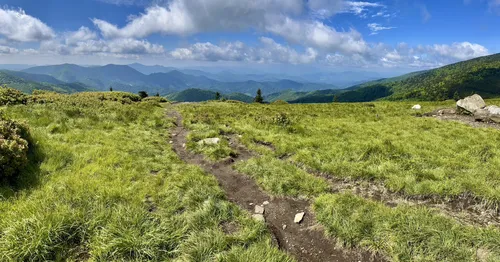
{"x": 26, "y": 83}
{"x": 125, "y": 78}
{"x": 14, "y": 67}
{"x": 147, "y": 70}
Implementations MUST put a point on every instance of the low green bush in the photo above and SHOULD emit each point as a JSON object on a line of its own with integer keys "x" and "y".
{"x": 157, "y": 99}
{"x": 10, "y": 96}
{"x": 13, "y": 147}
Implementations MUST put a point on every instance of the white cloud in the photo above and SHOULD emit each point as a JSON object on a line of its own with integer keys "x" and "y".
{"x": 318, "y": 35}
{"x": 268, "y": 52}
{"x": 426, "y": 15}
{"x": 16, "y": 25}
{"x": 375, "y": 28}
{"x": 83, "y": 34}
{"x": 184, "y": 17}
{"x": 459, "y": 51}
{"x": 325, "y": 8}
{"x": 8, "y": 50}
{"x": 360, "y": 8}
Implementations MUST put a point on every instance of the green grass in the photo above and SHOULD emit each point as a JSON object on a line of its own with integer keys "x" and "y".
{"x": 382, "y": 141}
{"x": 404, "y": 233}
{"x": 109, "y": 187}
{"x": 376, "y": 141}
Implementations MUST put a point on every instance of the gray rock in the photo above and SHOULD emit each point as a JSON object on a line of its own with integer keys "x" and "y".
{"x": 494, "y": 112}
{"x": 470, "y": 104}
{"x": 482, "y": 115}
{"x": 299, "y": 217}
{"x": 265, "y": 203}
{"x": 209, "y": 141}
{"x": 259, "y": 210}
{"x": 259, "y": 217}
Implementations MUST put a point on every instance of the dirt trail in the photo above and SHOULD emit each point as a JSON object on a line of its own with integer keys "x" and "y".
{"x": 304, "y": 241}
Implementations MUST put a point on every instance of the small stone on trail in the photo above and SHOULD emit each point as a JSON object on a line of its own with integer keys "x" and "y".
{"x": 259, "y": 217}
{"x": 284, "y": 227}
{"x": 209, "y": 141}
{"x": 171, "y": 142}
{"x": 299, "y": 217}
{"x": 265, "y": 203}
{"x": 251, "y": 204}
{"x": 183, "y": 145}
{"x": 416, "y": 107}
{"x": 259, "y": 210}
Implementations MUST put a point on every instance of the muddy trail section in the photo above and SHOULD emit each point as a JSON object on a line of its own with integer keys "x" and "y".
{"x": 305, "y": 241}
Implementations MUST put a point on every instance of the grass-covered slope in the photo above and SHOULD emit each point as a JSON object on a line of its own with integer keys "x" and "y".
{"x": 306, "y": 151}
{"x": 108, "y": 187}
{"x": 480, "y": 76}
{"x": 27, "y": 83}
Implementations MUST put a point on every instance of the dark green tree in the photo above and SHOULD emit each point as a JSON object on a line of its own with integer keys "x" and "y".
{"x": 217, "y": 96}
{"x": 456, "y": 96}
{"x": 143, "y": 94}
{"x": 335, "y": 98}
{"x": 110, "y": 89}
{"x": 259, "y": 99}
{"x": 157, "y": 94}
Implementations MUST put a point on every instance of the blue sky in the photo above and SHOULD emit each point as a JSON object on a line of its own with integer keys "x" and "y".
{"x": 335, "y": 34}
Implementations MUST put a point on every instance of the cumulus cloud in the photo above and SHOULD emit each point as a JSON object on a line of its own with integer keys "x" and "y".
{"x": 183, "y": 17}
{"x": 360, "y": 8}
{"x": 8, "y": 50}
{"x": 16, "y": 25}
{"x": 83, "y": 34}
{"x": 318, "y": 35}
{"x": 325, "y": 8}
{"x": 375, "y": 28}
{"x": 269, "y": 51}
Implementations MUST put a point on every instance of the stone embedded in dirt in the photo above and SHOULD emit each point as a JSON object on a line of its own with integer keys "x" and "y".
{"x": 259, "y": 210}
{"x": 284, "y": 227}
{"x": 251, "y": 204}
{"x": 183, "y": 145}
{"x": 416, "y": 107}
{"x": 259, "y": 217}
{"x": 470, "y": 104}
{"x": 265, "y": 203}
{"x": 481, "y": 115}
{"x": 494, "y": 112}
{"x": 482, "y": 254}
{"x": 299, "y": 217}
{"x": 171, "y": 142}
{"x": 209, "y": 141}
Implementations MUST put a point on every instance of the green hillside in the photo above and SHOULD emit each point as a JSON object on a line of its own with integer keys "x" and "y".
{"x": 480, "y": 76}
{"x": 27, "y": 83}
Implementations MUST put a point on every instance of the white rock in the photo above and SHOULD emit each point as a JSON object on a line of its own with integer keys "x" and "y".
{"x": 171, "y": 142}
{"x": 470, "y": 104}
{"x": 265, "y": 203}
{"x": 284, "y": 227}
{"x": 299, "y": 217}
{"x": 183, "y": 145}
{"x": 259, "y": 210}
{"x": 494, "y": 112}
{"x": 259, "y": 217}
{"x": 416, "y": 107}
{"x": 209, "y": 141}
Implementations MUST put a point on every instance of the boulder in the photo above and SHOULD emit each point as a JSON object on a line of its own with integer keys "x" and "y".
{"x": 482, "y": 115}
{"x": 470, "y": 104}
{"x": 209, "y": 141}
{"x": 494, "y": 112}
{"x": 416, "y": 107}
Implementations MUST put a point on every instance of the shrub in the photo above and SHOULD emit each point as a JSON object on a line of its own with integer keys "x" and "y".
{"x": 143, "y": 94}
{"x": 13, "y": 147}
{"x": 10, "y": 96}
{"x": 282, "y": 119}
{"x": 158, "y": 99}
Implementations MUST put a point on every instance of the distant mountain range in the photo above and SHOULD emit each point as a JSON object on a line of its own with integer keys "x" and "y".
{"x": 126, "y": 78}
{"x": 480, "y": 75}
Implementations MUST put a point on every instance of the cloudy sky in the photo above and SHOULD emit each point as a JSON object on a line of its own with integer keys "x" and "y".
{"x": 337, "y": 34}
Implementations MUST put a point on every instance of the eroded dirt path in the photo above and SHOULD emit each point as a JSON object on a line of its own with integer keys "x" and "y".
{"x": 304, "y": 241}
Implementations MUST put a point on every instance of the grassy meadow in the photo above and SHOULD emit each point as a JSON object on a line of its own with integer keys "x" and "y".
{"x": 103, "y": 184}
{"x": 381, "y": 142}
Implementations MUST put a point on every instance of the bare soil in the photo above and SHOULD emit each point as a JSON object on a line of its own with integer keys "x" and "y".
{"x": 305, "y": 241}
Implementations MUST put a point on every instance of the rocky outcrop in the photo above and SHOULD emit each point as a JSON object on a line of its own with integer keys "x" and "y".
{"x": 470, "y": 104}
{"x": 494, "y": 113}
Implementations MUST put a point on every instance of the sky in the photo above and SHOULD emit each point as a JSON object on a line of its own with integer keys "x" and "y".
{"x": 336, "y": 35}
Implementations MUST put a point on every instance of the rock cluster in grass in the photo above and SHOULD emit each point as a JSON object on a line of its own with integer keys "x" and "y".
{"x": 475, "y": 105}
